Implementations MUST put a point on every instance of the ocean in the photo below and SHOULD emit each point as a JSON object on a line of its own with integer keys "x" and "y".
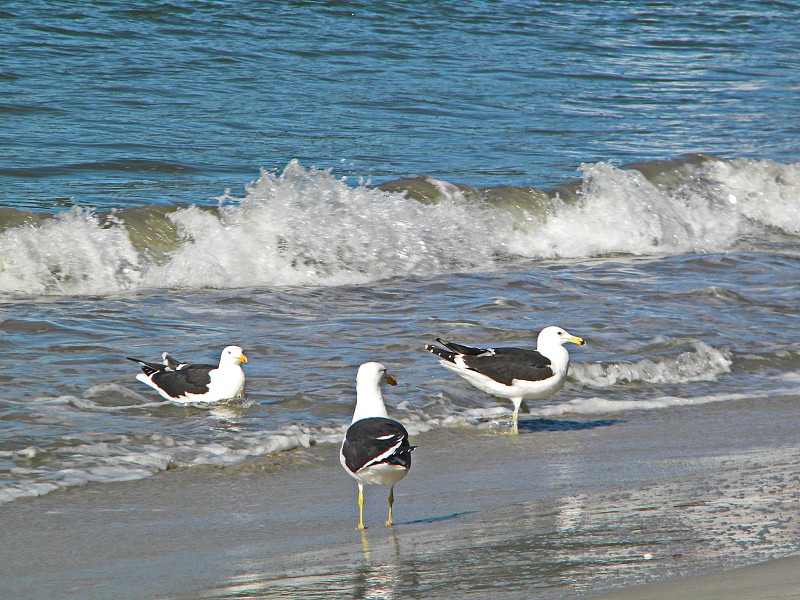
{"x": 328, "y": 183}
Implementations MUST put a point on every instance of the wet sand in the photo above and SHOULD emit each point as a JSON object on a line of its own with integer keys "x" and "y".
{"x": 765, "y": 581}
{"x": 567, "y": 509}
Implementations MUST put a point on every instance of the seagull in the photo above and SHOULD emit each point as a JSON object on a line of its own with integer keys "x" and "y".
{"x": 513, "y": 373}
{"x": 186, "y": 383}
{"x": 375, "y": 449}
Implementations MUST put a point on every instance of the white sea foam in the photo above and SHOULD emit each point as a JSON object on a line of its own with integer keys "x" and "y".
{"x": 702, "y": 363}
{"x": 622, "y": 212}
{"x": 305, "y": 227}
{"x": 594, "y": 406}
{"x": 88, "y": 457}
{"x": 602, "y": 406}
{"x": 71, "y": 253}
{"x": 128, "y": 459}
{"x": 763, "y": 191}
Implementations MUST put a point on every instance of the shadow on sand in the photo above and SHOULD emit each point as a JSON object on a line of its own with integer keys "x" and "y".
{"x": 439, "y": 518}
{"x": 561, "y": 425}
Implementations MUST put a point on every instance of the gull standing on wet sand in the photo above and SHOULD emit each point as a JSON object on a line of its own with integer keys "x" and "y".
{"x": 375, "y": 449}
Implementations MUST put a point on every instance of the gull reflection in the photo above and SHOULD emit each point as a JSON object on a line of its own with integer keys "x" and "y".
{"x": 381, "y": 575}
{"x": 373, "y": 571}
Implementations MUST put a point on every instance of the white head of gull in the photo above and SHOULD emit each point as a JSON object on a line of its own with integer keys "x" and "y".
{"x": 369, "y": 398}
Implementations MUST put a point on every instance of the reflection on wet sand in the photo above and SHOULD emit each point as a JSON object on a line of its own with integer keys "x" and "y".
{"x": 382, "y": 575}
{"x": 580, "y": 542}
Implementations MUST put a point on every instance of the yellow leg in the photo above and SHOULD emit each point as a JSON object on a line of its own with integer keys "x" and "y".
{"x": 516, "y": 414}
{"x": 391, "y": 501}
{"x": 361, "y": 507}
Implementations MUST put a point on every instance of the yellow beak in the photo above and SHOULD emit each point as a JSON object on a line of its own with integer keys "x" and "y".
{"x": 243, "y": 358}
{"x": 576, "y": 340}
{"x": 391, "y": 380}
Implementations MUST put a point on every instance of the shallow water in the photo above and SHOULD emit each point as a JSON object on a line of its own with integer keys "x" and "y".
{"x": 663, "y": 334}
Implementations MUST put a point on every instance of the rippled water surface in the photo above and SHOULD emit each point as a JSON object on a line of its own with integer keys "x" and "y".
{"x": 145, "y": 103}
{"x": 663, "y": 333}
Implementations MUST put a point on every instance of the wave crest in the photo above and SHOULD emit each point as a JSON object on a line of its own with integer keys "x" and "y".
{"x": 305, "y": 227}
{"x": 702, "y": 363}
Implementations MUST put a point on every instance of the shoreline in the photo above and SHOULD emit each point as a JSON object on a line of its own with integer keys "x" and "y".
{"x": 571, "y": 510}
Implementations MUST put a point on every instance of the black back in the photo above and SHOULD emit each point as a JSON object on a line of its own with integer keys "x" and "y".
{"x": 507, "y": 364}
{"x": 193, "y": 379}
{"x": 369, "y": 438}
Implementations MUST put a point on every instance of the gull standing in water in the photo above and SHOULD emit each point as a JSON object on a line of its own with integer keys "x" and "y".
{"x": 190, "y": 383}
{"x": 513, "y": 373}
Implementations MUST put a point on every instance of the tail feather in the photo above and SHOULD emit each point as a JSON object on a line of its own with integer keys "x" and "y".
{"x": 461, "y": 349}
{"x": 148, "y": 367}
{"x": 441, "y": 352}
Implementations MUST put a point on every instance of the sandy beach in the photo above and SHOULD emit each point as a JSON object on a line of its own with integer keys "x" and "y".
{"x": 769, "y": 580}
{"x": 553, "y": 513}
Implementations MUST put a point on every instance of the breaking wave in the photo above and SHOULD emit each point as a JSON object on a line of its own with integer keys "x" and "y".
{"x": 701, "y": 363}
{"x": 305, "y": 227}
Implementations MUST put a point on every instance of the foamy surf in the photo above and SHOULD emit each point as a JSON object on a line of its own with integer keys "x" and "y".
{"x": 603, "y": 406}
{"x": 305, "y": 227}
{"x": 701, "y": 363}
{"x": 84, "y": 458}
{"x": 127, "y": 458}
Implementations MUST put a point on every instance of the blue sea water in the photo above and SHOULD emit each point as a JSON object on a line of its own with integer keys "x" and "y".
{"x": 326, "y": 183}
{"x": 109, "y": 104}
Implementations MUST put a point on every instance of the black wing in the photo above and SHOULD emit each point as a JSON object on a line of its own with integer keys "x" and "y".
{"x": 441, "y": 352}
{"x": 192, "y": 379}
{"x": 507, "y": 364}
{"x": 368, "y": 439}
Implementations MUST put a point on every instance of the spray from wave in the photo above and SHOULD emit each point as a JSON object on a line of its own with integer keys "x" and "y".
{"x": 305, "y": 227}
